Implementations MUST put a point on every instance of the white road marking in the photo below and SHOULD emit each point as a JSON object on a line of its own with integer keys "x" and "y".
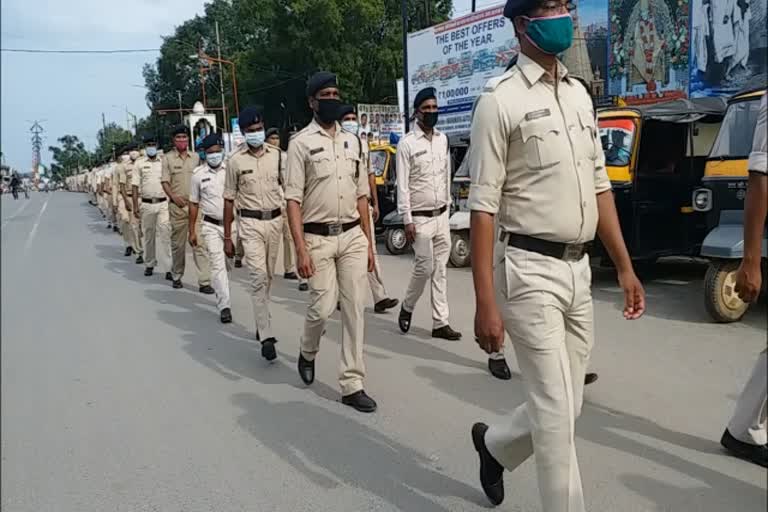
{"x": 15, "y": 214}
{"x": 34, "y": 228}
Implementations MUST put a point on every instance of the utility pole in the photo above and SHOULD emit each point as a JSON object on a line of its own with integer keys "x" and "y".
{"x": 474, "y": 5}
{"x": 406, "y": 81}
{"x": 225, "y": 120}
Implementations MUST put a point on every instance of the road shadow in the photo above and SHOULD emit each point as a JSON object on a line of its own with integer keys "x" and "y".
{"x": 349, "y": 453}
{"x": 126, "y": 266}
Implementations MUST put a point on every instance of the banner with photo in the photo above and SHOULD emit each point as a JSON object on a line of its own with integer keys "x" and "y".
{"x": 728, "y": 45}
{"x": 588, "y": 55}
{"x": 649, "y": 46}
{"x": 379, "y": 121}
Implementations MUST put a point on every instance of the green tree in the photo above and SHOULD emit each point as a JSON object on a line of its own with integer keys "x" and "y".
{"x": 69, "y": 156}
{"x": 110, "y": 139}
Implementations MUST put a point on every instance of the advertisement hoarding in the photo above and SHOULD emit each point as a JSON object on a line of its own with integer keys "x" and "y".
{"x": 380, "y": 121}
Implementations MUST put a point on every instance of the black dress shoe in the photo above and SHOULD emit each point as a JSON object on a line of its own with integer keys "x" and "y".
{"x": 445, "y": 332}
{"x": 207, "y": 290}
{"x": 268, "y": 351}
{"x": 149, "y": 271}
{"x": 114, "y": 228}
{"x": 140, "y": 260}
{"x": 383, "y": 305}
{"x": 757, "y": 454}
{"x": 168, "y": 276}
{"x": 306, "y": 370}
{"x": 238, "y": 263}
{"x": 291, "y": 276}
{"x": 491, "y": 472}
{"x": 226, "y": 316}
{"x": 303, "y": 287}
{"x": 404, "y": 320}
{"x": 109, "y": 226}
{"x": 499, "y": 369}
{"x": 177, "y": 284}
{"x": 128, "y": 251}
{"x": 590, "y": 378}
{"x": 360, "y": 401}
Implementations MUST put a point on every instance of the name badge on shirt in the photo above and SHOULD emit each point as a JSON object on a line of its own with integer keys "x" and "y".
{"x": 537, "y": 114}
{"x": 205, "y": 179}
{"x": 243, "y": 173}
{"x": 177, "y": 167}
{"x": 318, "y": 150}
{"x": 422, "y": 152}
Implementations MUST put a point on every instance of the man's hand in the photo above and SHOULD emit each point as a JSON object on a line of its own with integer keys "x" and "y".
{"x": 304, "y": 264}
{"x": 748, "y": 281}
{"x": 136, "y": 214}
{"x": 128, "y": 206}
{"x": 229, "y": 248}
{"x": 410, "y": 232}
{"x": 371, "y": 259}
{"x": 179, "y": 201}
{"x": 376, "y": 213}
{"x": 193, "y": 239}
{"x": 634, "y": 295}
{"x": 489, "y": 328}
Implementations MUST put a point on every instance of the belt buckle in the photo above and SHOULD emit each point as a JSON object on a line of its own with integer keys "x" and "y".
{"x": 573, "y": 252}
{"x": 266, "y": 215}
{"x": 335, "y": 229}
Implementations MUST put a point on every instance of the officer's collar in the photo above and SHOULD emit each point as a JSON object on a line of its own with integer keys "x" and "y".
{"x": 418, "y": 132}
{"x": 314, "y": 127}
{"x": 533, "y": 72}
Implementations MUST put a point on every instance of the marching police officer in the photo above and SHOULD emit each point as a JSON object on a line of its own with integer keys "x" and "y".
{"x": 327, "y": 193}
{"x": 537, "y": 164}
{"x": 132, "y": 233}
{"x": 253, "y": 180}
{"x": 206, "y": 198}
{"x": 424, "y": 199}
{"x": 153, "y": 215}
{"x": 289, "y": 253}
{"x": 178, "y": 165}
{"x": 123, "y": 210}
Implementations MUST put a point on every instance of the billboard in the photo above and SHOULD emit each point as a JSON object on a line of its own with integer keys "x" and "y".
{"x": 379, "y": 121}
{"x": 457, "y": 58}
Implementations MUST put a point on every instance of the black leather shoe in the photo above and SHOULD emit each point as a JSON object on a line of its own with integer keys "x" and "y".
{"x": 491, "y": 472}
{"x": 128, "y": 251}
{"x": 291, "y": 276}
{"x": 499, "y": 369}
{"x": 590, "y": 378}
{"x": 360, "y": 401}
{"x": 168, "y": 276}
{"x": 140, "y": 260}
{"x": 383, "y": 305}
{"x": 109, "y": 226}
{"x": 149, "y": 271}
{"x": 177, "y": 284}
{"x": 226, "y": 316}
{"x": 268, "y": 351}
{"x": 238, "y": 263}
{"x": 306, "y": 370}
{"x": 303, "y": 287}
{"x": 757, "y": 454}
{"x": 445, "y": 332}
{"x": 114, "y": 228}
{"x": 207, "y": 290}
{"x": 404, "y": 320}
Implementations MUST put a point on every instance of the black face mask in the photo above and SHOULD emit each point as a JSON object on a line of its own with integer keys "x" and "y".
{"x": 429, "y": 119}
{"x": 328, "y": 110}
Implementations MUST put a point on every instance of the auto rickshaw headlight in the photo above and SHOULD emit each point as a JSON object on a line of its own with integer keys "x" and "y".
{"x": 702, "y": 200}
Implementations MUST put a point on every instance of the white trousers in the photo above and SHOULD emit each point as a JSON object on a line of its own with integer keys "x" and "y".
{"x": 749, "y": 419}
{"x": 213, "y": 237}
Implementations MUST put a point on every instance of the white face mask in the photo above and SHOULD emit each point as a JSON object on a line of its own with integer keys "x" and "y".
{"x": 124, "y": 158}
{"x": 133, "y": 155}
{"x": 350, "y": 126}
{"x": 151, "y": 151}
{"x": 255, "y": 139}
{"x": 214, "y": 159}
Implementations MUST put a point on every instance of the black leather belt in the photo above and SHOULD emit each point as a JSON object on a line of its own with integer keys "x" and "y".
{"x": 317, "y": 228}
{"x": 218, "y": 222}
{"x": 153, "y": 200}
{"x": 260, "y": 214}
{"x": 430, "y": 213}
{"x": 559, "y": 250}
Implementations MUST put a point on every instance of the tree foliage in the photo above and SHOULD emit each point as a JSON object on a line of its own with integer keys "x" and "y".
{"x": 69, "y": 156}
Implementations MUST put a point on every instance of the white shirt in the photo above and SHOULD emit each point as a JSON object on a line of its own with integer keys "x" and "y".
{"x": 758, "y": 159}
{"x": 207, "y": 189}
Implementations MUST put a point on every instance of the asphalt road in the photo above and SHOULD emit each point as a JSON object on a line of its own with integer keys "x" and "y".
{"x": 122, "y": 394}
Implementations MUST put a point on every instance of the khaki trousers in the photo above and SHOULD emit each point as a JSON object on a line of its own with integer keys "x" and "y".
{"x": 137, "y": 236}
{"x": 340, "y": 271}
{"x": 157, "y": 235}
{"x": 289, "y": 251}
{"x": 546, "y": 305}
{"x": 375, "y": 280}
{"x": 432, "y": 248}
{"x": 213, "y": 238}
{"x": 124, "y": 218}
{"x": 179, "y": 238}
{"x": 261, "y": 243}
{"x": 748, "y": 424}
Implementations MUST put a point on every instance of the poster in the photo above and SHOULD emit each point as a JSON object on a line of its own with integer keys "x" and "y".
{"x": 588, "y": 56}
{"x": 457, "y": 58}
{"x": 379, "y": 121}
{"x": 649, "y": 46}
{"x": 728, "y": 45}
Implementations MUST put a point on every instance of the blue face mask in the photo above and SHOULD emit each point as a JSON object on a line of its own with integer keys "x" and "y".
{"x": 255, "y": 139}
{"x": 151, "y": 151}
{"x": 552, "y": 35}
{"x": 215, "y": 159}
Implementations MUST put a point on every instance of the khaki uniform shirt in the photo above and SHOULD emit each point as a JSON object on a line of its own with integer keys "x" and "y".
{"x": 254, "y": 181}
{"x": 536, "y": 157}
{"x": 207, "y": 189}
{"x": 758, "y": 158}
{"x": 146, "y": 176}
{"x": 125, "y": 175}
{"x": 325, "y": 174}
{"x": 423, "y": 173}
{"x": 177, "y": 171}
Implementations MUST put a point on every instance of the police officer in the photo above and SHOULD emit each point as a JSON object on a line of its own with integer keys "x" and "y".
{"x": 424, "y": 199}
{"x": 206, "y": 198}
{"x": 153, "y": 215}
{"x": 114, "y": 197}
{"x": 132, "y": 230}
{"x": 289, "y": 253}
{"x": 381, "y": 301}
{"x": 178, "y": 165}
{"x": 123, "y": 211}
{"x": 327, "y": 193}
{"x": 537, "y": 163}
{"x": 253, "y": 180}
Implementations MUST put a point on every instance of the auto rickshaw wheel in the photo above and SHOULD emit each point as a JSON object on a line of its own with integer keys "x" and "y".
{"x": 720, "y": 298}
{"x": 459, "y": 249}
{"x": 395, "y": 240}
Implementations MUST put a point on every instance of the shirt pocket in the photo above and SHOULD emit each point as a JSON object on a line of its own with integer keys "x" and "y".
{"x": 588, "y": 134}
{"x": 248, "y": 181}
{"x": 541, "y": 141}
{"x": 321, "y": 165}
